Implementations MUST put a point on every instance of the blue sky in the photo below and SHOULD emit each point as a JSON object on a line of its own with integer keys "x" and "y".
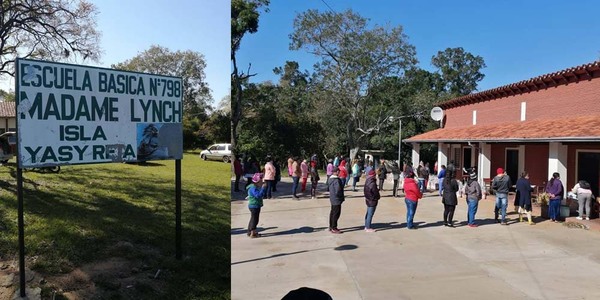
{"x": 517, "y": 39}
{"x": 132, "y": 26}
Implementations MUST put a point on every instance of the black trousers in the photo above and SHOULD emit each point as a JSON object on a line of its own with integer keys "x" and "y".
{"x": 448, "y": 213}
{"x": 254, "y": 215}
{"x": 334, "y": 216}
{"x": 381, "y": 181}
{"x": 395, "y": 187}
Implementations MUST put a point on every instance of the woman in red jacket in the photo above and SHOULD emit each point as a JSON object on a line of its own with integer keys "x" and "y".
{"x": 413, "y": 194}
{"x": 343, "y": 173}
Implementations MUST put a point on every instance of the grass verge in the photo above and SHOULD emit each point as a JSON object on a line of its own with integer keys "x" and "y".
{"x": 108, "y": 230}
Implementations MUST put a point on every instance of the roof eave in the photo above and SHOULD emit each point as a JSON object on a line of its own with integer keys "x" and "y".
{"x": 509, "y": 140}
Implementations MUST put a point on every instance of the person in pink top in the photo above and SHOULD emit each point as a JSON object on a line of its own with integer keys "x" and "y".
{"x": 269, "y": 178}
{"x": 304, "y": 169}
{"x": 290, "y": 168}
{"x": 329, "y": 168}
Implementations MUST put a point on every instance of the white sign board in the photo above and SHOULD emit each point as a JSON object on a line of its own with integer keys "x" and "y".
{"x": 73, "y": 114}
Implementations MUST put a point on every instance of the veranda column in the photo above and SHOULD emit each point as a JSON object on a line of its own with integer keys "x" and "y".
{"x": 557, "y": 161}
{"x": 442, "y": 155}
{"x": 484, "y": 162}
{"x": 415, "y": 154}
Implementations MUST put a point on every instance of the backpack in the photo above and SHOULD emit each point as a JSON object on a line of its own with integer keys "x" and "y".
{"x": 584, "y": 184}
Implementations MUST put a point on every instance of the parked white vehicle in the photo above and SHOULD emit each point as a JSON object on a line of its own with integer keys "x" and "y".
{"x": 217, "y": 152}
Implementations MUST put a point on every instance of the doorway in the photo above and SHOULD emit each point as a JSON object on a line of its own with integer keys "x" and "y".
{"x": 588, "y": 168}
{"x": 512, "y": 164}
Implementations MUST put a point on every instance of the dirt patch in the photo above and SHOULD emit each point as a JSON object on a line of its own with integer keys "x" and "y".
{"x": 127, "y": 277}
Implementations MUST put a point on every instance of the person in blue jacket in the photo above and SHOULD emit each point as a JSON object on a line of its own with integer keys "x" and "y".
{"x": 256, "y": 193}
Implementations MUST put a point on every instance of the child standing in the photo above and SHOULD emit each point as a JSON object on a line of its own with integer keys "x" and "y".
{"x": 256, "y": 192}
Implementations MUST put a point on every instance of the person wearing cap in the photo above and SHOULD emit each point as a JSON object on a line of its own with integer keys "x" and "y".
{"x": 524, "y": 190}
{"x": 501, "y": 185}
{"x": 449, "y": 198}
{"x": 269, "y": 178}
{"x": 371, "y": 199}
{"x": 555, "y": 189}
{"x": 256, "y": 192}
{"x": 336, "y": 197}
{"x": 412, "y": 195}
{"x": 473, "y": 193}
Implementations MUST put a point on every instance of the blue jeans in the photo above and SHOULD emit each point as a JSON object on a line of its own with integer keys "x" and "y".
{"x": 441, "y": 185}
{"x": 295, "y": 184}
{"x": 554, "y": 209}
{"x": 411, "y": 209}
{"x": 269, "y": 188}
{"x": 421, "y": 184}
{"x": 369, "y": 216}
{"x": 472, "y": 204}
{"x": 343, "y": 182}
{"x": 501, "y": 203}
{"x": 354, "y": 182}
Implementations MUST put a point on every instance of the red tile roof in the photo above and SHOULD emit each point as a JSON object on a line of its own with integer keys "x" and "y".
{"x": 566, "y": 76}
{"x": 584, "y": 128}
{"x": 7, "y": 110}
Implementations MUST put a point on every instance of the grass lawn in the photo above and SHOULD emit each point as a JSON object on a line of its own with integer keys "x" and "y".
{"x": 107, "y": 231}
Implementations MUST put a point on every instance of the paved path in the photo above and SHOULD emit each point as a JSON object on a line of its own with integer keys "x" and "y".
{"x": 545, "y": 261}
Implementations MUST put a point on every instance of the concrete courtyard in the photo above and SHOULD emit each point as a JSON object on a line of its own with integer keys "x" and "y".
{"x": 519, "y": 261}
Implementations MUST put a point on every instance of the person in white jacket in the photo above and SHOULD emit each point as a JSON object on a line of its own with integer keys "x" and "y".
{"x": 584, "y": 196}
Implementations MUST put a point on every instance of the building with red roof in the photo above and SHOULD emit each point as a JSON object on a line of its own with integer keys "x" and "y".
{"x": 547, "y": 124}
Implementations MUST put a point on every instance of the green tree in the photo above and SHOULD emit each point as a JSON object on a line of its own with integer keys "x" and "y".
{"x": 7, "y": 96}
{"x": 244, "y": 19}
{"x": 460, "y": 70}
{"x": 353, "y": 59}
{"x": 188, "y": 65}
{"x": 56, "y": 30}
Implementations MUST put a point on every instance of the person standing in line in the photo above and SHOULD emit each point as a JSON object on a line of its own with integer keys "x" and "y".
{"x": 426, "y": 175}
{"x": 355, "y": 174}
{"x": 583, "y": 191}
{"x": 238, "y": 170}
{"x": 449, "y": 198}
{"x": 368, "y": 167}
{"x": 348, "y": 170}
{"x": 336, "y": 197}
{"x": 296, "y": 172}
{"x": 441, "y": 175}
{"x": 290, "y": 162}
{"x": 524, "y": 190}
{"x": 412, "y": 196}
{"x": 382, "y": 172}
{"x": 421, "y": 176}
{"x": 249, "y": 170}
{"x": 329, "y": 168}
{"x": 501, "y": 185}
{"x": 337, "y": 160}
{"x": 555, "y": 189}
{"x": 269, "y": 178}
{"x": 256, "y": 192}
{"x": 473, "y": 194}
{"x": 371, "y": 199}
{"x": 343, "y": 172}
{"x": 314, "y": 179}
{"x": 396, "y": 177}
{"x": 304, "y": 171}
{"x": 277, "y": 173}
